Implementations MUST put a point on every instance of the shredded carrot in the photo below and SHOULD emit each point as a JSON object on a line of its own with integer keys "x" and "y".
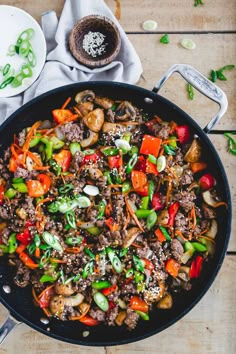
{"x": 13, "y": 150}
{"x": 172, "y": 172}
{"x": 115, "y": 185}
{"x": 26, "y": 145}
{"x": 193, "y": 215}
{"x": 33, "y": 157}
{"x": 73, "y": 250}
{"x": 158, "y": 119}
{"x": 35, "y": 296}
{"x": 206, "y": 237}
{"x": 169, "y": 188}
{"x": 220, "y": 204}
{"x": 129, "y": 123}
{"x": 136, "y": 245}
{"x": 59, "y": 261}
{"x": 77, "y": 111}
{"x": 65, "y": 104}
{"x": 41, "y": 168}
{"x": 167, "y": 141}
{"x": 161, "y": 151}
{"x": 20, "y": 248}
{"x": 37, "y": 252}
{"x": 179, "y": 233}
{"x": 108, "y": 209}
{"x": 133, "y": 214}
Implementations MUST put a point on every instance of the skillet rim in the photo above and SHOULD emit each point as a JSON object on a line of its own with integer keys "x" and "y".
{"x": 217, "y": 160}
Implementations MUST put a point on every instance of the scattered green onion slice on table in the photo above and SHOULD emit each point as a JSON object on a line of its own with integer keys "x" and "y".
{"x": 149, "y": 25}
{"x": 188, "y": 43}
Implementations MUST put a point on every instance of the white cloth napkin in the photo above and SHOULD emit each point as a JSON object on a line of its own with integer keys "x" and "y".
{"x": 61, "y": 68}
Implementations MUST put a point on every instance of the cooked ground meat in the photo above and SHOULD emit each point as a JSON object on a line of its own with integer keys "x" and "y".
{"x": 21, "y": 172}
{"x": 131, "y": 319}
{"x": 73, "y": 132}
{"x": 76, "y": 161}
{"x": 177, "y": 249}
{"x": 164, "y": 131}
{"x": 186, "y": 199}
{"x": 186, "y": 178}
{"x": 5, "y": 212}
{"x": 208, "y": 212}
{"x": 97, "y": 314}
{"x": 22, "y": 277}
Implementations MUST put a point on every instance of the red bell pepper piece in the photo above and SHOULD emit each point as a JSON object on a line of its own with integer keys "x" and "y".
{"x": 148, "y": 264}
{"x": 139, "y": 179}
{"x": 27, "y": 261}
{"x": 93, "y": 158}
{"x": 15, "y": 162}
{"x": 207, "y": 181}
{"x": 25, "y": 236}
{"x": 45, "y": 180}
{"x": 150, "y": 124}
{"x": 150, "y": 145}
{"x": 173, "y": 209}
{"x": 110, "y": 222}
{"x": 138, "y": 304}
{"x": 196, "y": 267}
{"x": 108, "y": 291}
{"x": 160, "y": 236}
{"x": 151, "y": 168}
{"x": 156, "y": 202}
{"x": 114, "y": 161}
{"x": 45, "y": 297}
{"x": 183, "y": 133}
{"x": 35, "y": 188}
{"x": 141, "y": 164}
{"x": 63, "y": 159}
{"x": 89, "y": 321}
{"x": 144, "y": 191}
{"x": 1, "y": 193}
{"x": 63, "y": 115}
{"x": 172, "y": 267}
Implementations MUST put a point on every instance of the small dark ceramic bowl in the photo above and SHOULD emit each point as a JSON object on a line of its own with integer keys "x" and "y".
{"x": 109, "y": 49}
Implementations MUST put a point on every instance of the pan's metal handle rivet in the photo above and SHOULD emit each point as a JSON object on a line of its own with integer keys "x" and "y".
{"x": 196, "y": 136}
{"x": 148, "y": 100}
{"x": 44, "y": 320}
{"x": 6, "y": 289}
{"x": 48, "y": 329}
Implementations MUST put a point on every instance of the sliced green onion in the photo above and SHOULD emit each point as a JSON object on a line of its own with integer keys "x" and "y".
{"x": 25, "y": 35}
{"x": 149, "y": 25}
{"x": 88, "y": 269}
{"x": 66, "y": 188}
{"x": 188, "y": 43}
{"x": 169, "y": 150}
{"x": 101, "y": 301}
{"x": 74, "y": 148}
{"x": 31, "y": 58}
{"x": 132, "y": 162}
{"x": 6, "y": 82}
{"x": 126, "y": 187}
{"x": 45, "y": 258}
{"x": 70, "y": 218}
{"x": 151, "y": 189}
{"x": 151, "y": 220}
{"x": 24, "y": 48}
{"x": 91, "y": 190}
{"x": 161, "y": 163}
{"x": 108, "y": 176}
{"x": 52, "y": 241}
{"x": 100, "y": 284}
{"x": 83, "y": 202}
{"x": 123, "y": 145}
{"x": 6, "y": 69}
{"x": 88, "y": 152}
{"x": 152, "y": 159}
{"x": 165, "y": 39}
{"x": 101, "y": 209}
{"x": 111, "y": 152}
{"x": 89, "y": 253}
{"x": 115, "y": 261}
{"x": 138, "y": 264}
{"x": 165, "y": 233}
{"x": 129, "y": 273}
{"x": 17, "y": 81}
{"x": 73, "y": 240}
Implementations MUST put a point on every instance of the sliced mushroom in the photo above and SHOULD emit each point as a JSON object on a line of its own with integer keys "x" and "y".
{"x": 92, "y": 139}
{"x": 64, "y": 289}
{"x": 213, "y": 229}
{"x": 94, "y": 120}
{"x": 112, "y": 128}
{"x": 209, "y": 199}
{"x": 21, "y": 213}
{"x": 120, "y": 318}
{"x": 131, "y": 236}
{"x": 194, "y": 152}
{"x": 124, "y": 111}
{"x": 95, "y": 173}
{"x": 84, "y": 96}
{"x": 75, "y": 300}
{"x": 166, "y": 303}
{"x": 154, "y": 294}
{"x": 163, "y": 217}
{"x": 84, "y": 308}
{"x": 57, "y": 304}
{"x": 85, "y": 108}
{"x": 183, "y": 273}
{"x": 104, "y": 102}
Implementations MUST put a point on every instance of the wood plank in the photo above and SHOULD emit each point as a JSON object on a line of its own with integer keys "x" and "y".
{"x": 213, "y": 51}
{"x": 228, "y": 160}
{"x": 208, "y": 328}
{"x": 212, "y": 16}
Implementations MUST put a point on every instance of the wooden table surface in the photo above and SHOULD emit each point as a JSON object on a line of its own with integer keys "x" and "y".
{"x": 211, "y": 326}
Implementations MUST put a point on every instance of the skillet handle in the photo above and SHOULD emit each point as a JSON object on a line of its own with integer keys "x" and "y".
{"x": 202, "y": 84}
{"x": 7, "y": 327}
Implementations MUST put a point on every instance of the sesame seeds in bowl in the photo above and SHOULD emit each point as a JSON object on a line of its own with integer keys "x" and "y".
{"x": 95, "y": 41}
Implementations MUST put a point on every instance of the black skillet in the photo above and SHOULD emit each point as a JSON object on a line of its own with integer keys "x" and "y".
{"x": 19, "y": 301}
